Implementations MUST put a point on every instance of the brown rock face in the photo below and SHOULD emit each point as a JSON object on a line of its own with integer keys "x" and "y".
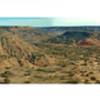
{"x": 89, "y": 42}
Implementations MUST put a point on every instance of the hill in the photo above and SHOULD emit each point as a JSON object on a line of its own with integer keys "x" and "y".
{"x": 70, "y": 36}
{"x": 12, "y": 46}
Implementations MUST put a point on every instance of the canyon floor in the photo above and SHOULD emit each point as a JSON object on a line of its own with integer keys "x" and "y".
{"x": 26, "y": 56}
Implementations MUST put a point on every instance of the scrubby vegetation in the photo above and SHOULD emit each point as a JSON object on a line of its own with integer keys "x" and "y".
{"x": 72, "y": 57}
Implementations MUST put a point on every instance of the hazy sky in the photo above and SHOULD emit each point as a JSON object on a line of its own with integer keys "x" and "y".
{"x": 45, "y": 22}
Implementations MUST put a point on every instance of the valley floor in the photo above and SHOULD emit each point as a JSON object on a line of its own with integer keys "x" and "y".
{"x": 54, "y": 63}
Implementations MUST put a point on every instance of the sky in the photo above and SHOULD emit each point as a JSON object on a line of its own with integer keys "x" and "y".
{"x": 45, "y": 22}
